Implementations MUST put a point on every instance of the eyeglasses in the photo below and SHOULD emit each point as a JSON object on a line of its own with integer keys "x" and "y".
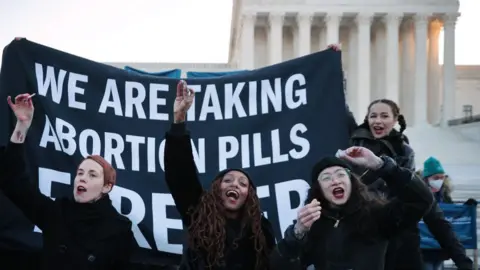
{"x": 328, "y": 177}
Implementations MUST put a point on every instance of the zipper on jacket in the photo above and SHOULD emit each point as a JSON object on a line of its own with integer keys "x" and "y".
{"x": 336, "y": 223}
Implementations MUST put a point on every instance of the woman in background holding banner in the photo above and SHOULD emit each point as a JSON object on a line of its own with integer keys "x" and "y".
{"x": 83, "y": 232}
{"x": 378, "y": 133}
{"x": 226, "y": 228}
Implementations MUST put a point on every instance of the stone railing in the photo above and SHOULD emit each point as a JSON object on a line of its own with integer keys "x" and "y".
{"x": 464, "y": 120}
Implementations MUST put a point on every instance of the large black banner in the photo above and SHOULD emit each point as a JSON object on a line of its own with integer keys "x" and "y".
{"x": 275, "y": 122}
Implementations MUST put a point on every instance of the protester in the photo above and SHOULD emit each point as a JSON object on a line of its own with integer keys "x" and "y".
{"x": 440, "y": 184}
{"x": 226, "y": 229}
{"x": 378, "y": 134}
{"x": 434, "y": 175}
{"x": 83, "y": 232}
{"x": 353, "y": 224}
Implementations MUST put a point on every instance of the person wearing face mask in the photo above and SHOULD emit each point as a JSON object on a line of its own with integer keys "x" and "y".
{"x": 83, "y": 232}
{"x": 226, "y": 228}
{"x": 440, "y": 185}
{"x": 343, "y": 226}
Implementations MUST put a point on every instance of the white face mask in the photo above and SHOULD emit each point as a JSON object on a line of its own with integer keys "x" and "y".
{"x": 436, "y": 184}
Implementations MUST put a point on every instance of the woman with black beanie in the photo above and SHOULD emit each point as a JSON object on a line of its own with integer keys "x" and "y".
{"x": 377, "y": 132}
{"x": 343, "y": 226}
{"x": 226, "y": 228}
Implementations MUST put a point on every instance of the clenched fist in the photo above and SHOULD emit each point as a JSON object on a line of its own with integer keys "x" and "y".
{"x": 307, "y": 215}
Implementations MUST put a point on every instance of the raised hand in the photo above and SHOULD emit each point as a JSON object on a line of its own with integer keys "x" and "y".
{"x": 22, "y": 108}
{"x": 183, "y": 101}
{"x": 335, "y": 47}
{"x": 361, "y": 156}
{"x": 307, "y": 215}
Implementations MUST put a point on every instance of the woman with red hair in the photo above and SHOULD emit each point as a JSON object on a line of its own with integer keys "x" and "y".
{"x": 82, "y": 232}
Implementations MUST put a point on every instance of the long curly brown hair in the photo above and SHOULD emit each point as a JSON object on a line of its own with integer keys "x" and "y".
{"x": 207, "y": 235}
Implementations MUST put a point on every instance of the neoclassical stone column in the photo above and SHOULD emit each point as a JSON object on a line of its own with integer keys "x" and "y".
{"x": 276, "y": 37}
{"x": 420, "y": 75}
{"x": 322, "y": 38}
{"x": 407, "y": 96}
{"x": 332, "y": 22}
{"x": 378, "y": 56}
{"x": 392, "y": 23}
{"x": 449, "y": 69}
{"x": 304, "y": 23}
{"x": 248, "y": 40}
{"x": 364, "y": 22}
{"x": 434, "y": 77}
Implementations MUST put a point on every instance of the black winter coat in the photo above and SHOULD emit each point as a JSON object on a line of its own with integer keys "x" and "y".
{"x": 186, "y": 189}
{"x": 335, "y": 241}
{"x": 75, "y": 236}
{"x": 15, "y": 250}
{"x": 404, "y": 251}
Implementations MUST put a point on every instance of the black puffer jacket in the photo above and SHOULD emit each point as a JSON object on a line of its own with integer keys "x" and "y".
{"x": 335, "y": 241}
{"x": 404, "y": 251}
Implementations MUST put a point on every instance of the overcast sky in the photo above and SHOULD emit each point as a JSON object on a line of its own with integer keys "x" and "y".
{"x": 159, "y": 30}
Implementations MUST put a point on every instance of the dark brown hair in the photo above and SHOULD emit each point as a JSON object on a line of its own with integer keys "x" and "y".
{"x": 395, "y": 111}
{"x": 360, "y": 198}
{"x": 207, "y": 229}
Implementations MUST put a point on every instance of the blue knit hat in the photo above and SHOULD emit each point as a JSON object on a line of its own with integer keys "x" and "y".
{"x": 432, "y": 166}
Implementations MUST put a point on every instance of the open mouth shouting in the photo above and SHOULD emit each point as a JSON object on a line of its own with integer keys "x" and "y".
{"x": 378, "y": 130}
{"x": 338, "y": 193}
{"x": 232, "y": 195}
{"x": 81, "y": 190}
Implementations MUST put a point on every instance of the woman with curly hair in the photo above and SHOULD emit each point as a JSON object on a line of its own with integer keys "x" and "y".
{"x": 226, "y": 229}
